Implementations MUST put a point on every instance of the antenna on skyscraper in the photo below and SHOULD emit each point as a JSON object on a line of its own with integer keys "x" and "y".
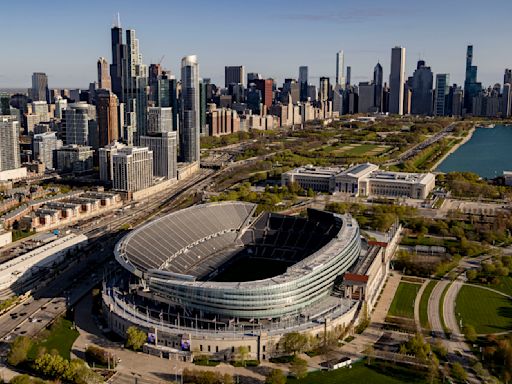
{"x": 118, "y": 20}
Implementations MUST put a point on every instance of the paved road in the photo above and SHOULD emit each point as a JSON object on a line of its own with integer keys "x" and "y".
{"x": 433, "y": 309}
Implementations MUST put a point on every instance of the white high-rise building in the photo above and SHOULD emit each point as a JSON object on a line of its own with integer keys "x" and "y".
{"x": 190, "y": 125}
{"x": 164, "y": 148}
{"x": 45, "y": 145}
{"x": 340, "y": 69}
{"x": 105, "y": 155}
{"x": 159, "y": 119}
{"x": 60, "y": 105}
{"x": 396, "y": 81}
{"x": 132, "y": 169}
{"x": 9, "y": 144}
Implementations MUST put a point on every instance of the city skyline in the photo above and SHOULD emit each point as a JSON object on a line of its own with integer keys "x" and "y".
{"x": 342, "y": 26}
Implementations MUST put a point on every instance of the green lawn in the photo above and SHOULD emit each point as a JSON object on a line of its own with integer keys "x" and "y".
{"x": 403, "y": 302}
{"x": 504, "y": 286}
{"x": 424, "y": 303}
{"x": 360, "y": 373}
{"x": 487, "y": 311}
{"x": 60, "y": 337}
{"x": 360, "y": 150}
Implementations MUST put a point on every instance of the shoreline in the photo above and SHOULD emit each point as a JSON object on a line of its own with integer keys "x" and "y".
{"x": 454, "y": 148}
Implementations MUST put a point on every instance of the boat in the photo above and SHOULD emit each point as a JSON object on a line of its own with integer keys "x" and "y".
{"x": 489, "y": 126}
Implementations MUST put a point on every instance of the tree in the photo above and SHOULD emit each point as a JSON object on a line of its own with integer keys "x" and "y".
{"x": 471, "y": 274}
{"x": 275, "y": 376}
{"x": 54, "y": 366}
{"x": 458, "y": 372}
{"x": 19, "y": 350}
{"x": 294, "y": 342}
{"x": 470, "y": 333}
{"x": 135, "y": 338}
{"x": 299, "y": 368}
{"x": 433, "y": 369}
{"x": 242, "y": 353}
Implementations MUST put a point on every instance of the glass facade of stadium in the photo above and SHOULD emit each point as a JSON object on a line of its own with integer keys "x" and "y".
{"x": 292, "y": 293}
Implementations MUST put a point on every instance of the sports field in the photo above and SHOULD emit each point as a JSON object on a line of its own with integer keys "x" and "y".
{"x": 403, "y": 302}
{"x": 487, "y": 311}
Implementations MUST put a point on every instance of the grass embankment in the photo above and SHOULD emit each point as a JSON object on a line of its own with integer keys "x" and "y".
{"x": 403, "y": 302}
{"x": 424, "y": 303}
{"x": 486, "y": 311}
{"x": 60, "y": 337}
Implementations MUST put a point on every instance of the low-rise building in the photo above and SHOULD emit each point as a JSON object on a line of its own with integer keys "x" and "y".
{"x": 362, "y": 180}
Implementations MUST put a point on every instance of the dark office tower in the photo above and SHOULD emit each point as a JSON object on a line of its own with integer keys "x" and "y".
{"x": 103, "y": 74}
{"x": 251, "y": 76}
{"x": 155, "y": 71}
{"x": 290, "y": 88}
{"x": 303, "y": 82}
{"x": 265, "y": 87}
{"x": 175, "y": 102}
{"x": 189, "y": 128}
{"x": 40, "y": 91}
{"x": 506, "y": 100}
{"x": 348, "y": 76}
{"x": 377, "y": 84}
{"x": 441, "y": 94}
{"x": 507, "y": 78}
{"x": 471, "y": 86}
{"x": 253, "y": 98}
{"x": 234, "y": 75}
{"x": 118, "y": 56}
{"x": 106, "y": 114}
{"x": 421, "y": 87}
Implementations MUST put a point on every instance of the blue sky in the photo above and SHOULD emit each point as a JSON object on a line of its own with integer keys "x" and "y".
{"x": 273, "y": 37}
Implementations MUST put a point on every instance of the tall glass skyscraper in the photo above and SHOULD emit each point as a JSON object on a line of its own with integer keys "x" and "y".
{"x": 340, "y": 68}
{"x": 471, "y": 86}
{"x": 442, "y": 90}
{"x": 396, "y": 81}
{"x": 378, "y": 84}
{"x": 190, "y": 122}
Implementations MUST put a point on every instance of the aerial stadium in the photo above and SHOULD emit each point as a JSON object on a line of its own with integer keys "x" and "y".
{"x": 224, "y": 273}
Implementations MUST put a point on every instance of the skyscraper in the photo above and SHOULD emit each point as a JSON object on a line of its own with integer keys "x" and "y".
{"x": 378, "y": 84}
{"x": 303, "y": 82}
{"x": 107, "y": 113}
{"x": 348, "y": 77}
{"x": 325, "y": 88}
{"x": 44, "y": 147}
{"x": 507, "y": 78}
{"x": 159, "y": 119}
{"x": 75, "y": 124}
{"x": 103, "y": 74}
{"x": 396, "y": 81}
{"x": 9, "y": 143}
{"x": 265, "y": 87}
{"x": 340, "y": 68}
{"x": 471, "y": 86}
{"x": 164, "y": 148}
{"x": 118, "y": 55}
{"x": 40, "y": 91}
{"x": 366, "y": 100}
{"x": 135, "y": 83}
{"x": 442, "y": 90}
{"x": 132, "y": 169}
{"x": 421, "y": 87}
{"x": 189, "y": 127}
{"x": 234, "y": 75}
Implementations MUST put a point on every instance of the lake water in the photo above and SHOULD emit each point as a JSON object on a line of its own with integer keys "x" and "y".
{"x": 488, "y": 153}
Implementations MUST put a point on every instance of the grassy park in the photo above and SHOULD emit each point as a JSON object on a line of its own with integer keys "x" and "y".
{"x": 360, "y": 373}
{"x": 403, "y": 302}
{"x": 487, "y": 311}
